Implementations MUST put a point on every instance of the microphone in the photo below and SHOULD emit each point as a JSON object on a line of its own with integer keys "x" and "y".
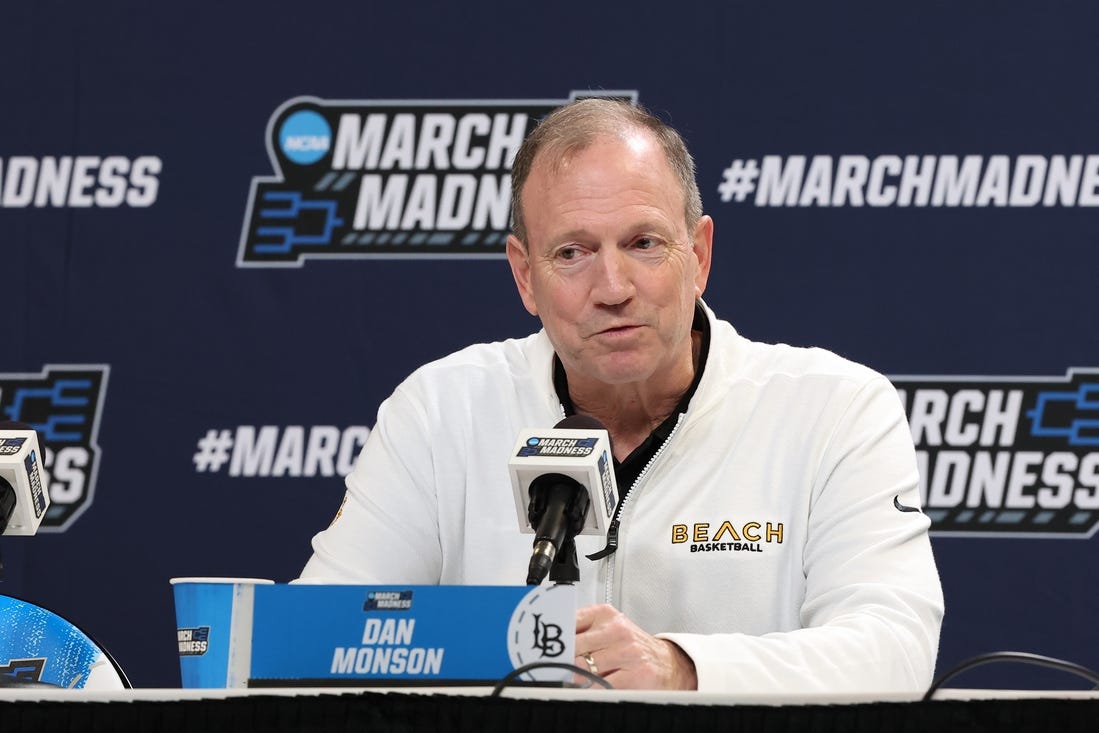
{"x": 563, "y": 482}
{"x": 23, "y": 496}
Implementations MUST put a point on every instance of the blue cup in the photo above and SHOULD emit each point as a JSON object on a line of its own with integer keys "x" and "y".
{"x": 214, "y": 630}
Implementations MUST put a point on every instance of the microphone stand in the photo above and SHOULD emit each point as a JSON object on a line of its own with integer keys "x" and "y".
{"x": 565, "y": 570}
{"x": 558, "y": 505}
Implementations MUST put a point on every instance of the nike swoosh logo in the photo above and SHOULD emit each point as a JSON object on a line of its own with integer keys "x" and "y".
{"x": 901, "y": 507}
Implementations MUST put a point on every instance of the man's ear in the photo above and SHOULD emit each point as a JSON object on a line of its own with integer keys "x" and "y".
{"x": 520, "y": 270}
{"x": 703, "y": 247}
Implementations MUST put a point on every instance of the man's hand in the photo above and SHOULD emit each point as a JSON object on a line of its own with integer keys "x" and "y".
{"x": 627, "y": 656}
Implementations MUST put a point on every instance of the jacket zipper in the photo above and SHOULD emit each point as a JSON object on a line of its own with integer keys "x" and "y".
{"x": 612, "y": 531}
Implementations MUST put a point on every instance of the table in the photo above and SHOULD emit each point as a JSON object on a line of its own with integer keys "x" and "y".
{"x": 538, "y": 710}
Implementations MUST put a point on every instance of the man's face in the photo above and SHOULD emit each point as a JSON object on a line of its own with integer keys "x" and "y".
{"x": 609, "y": 265}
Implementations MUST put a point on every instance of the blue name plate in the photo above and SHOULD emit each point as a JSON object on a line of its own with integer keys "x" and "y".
{"x": 335, "y": 634}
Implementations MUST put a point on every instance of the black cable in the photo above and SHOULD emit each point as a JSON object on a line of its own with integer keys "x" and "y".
{"x": 513, "y": 674}
{"x": 1024, "y": 657}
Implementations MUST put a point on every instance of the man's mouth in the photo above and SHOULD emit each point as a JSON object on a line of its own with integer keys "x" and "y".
{"x": 618, "y": 330}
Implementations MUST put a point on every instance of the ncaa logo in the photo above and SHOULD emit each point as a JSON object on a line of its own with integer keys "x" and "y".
{"x": 1007, "y": 456}
{"x": 389, "y": 179}
{"x": 64, "y": 404}
{"x": 305, "y": 137}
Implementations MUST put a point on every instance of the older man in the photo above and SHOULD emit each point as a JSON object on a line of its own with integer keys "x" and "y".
{"x": 766, "y": 539}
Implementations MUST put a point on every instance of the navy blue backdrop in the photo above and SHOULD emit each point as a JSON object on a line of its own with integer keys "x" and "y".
{"x": 911, "y": 186}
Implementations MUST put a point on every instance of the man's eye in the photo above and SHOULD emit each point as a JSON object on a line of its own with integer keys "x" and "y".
{"x": 646, "y": 243}
{"x": 568, "y": 253}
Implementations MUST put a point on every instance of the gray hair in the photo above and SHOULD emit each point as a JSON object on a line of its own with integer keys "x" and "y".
{"x": 574, "y": 127}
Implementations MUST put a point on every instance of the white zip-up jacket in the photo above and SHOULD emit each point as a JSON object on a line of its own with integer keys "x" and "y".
{"x": 771, "y": 537}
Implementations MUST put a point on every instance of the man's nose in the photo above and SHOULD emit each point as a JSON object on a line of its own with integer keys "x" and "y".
{"x": 613, "y": 277}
